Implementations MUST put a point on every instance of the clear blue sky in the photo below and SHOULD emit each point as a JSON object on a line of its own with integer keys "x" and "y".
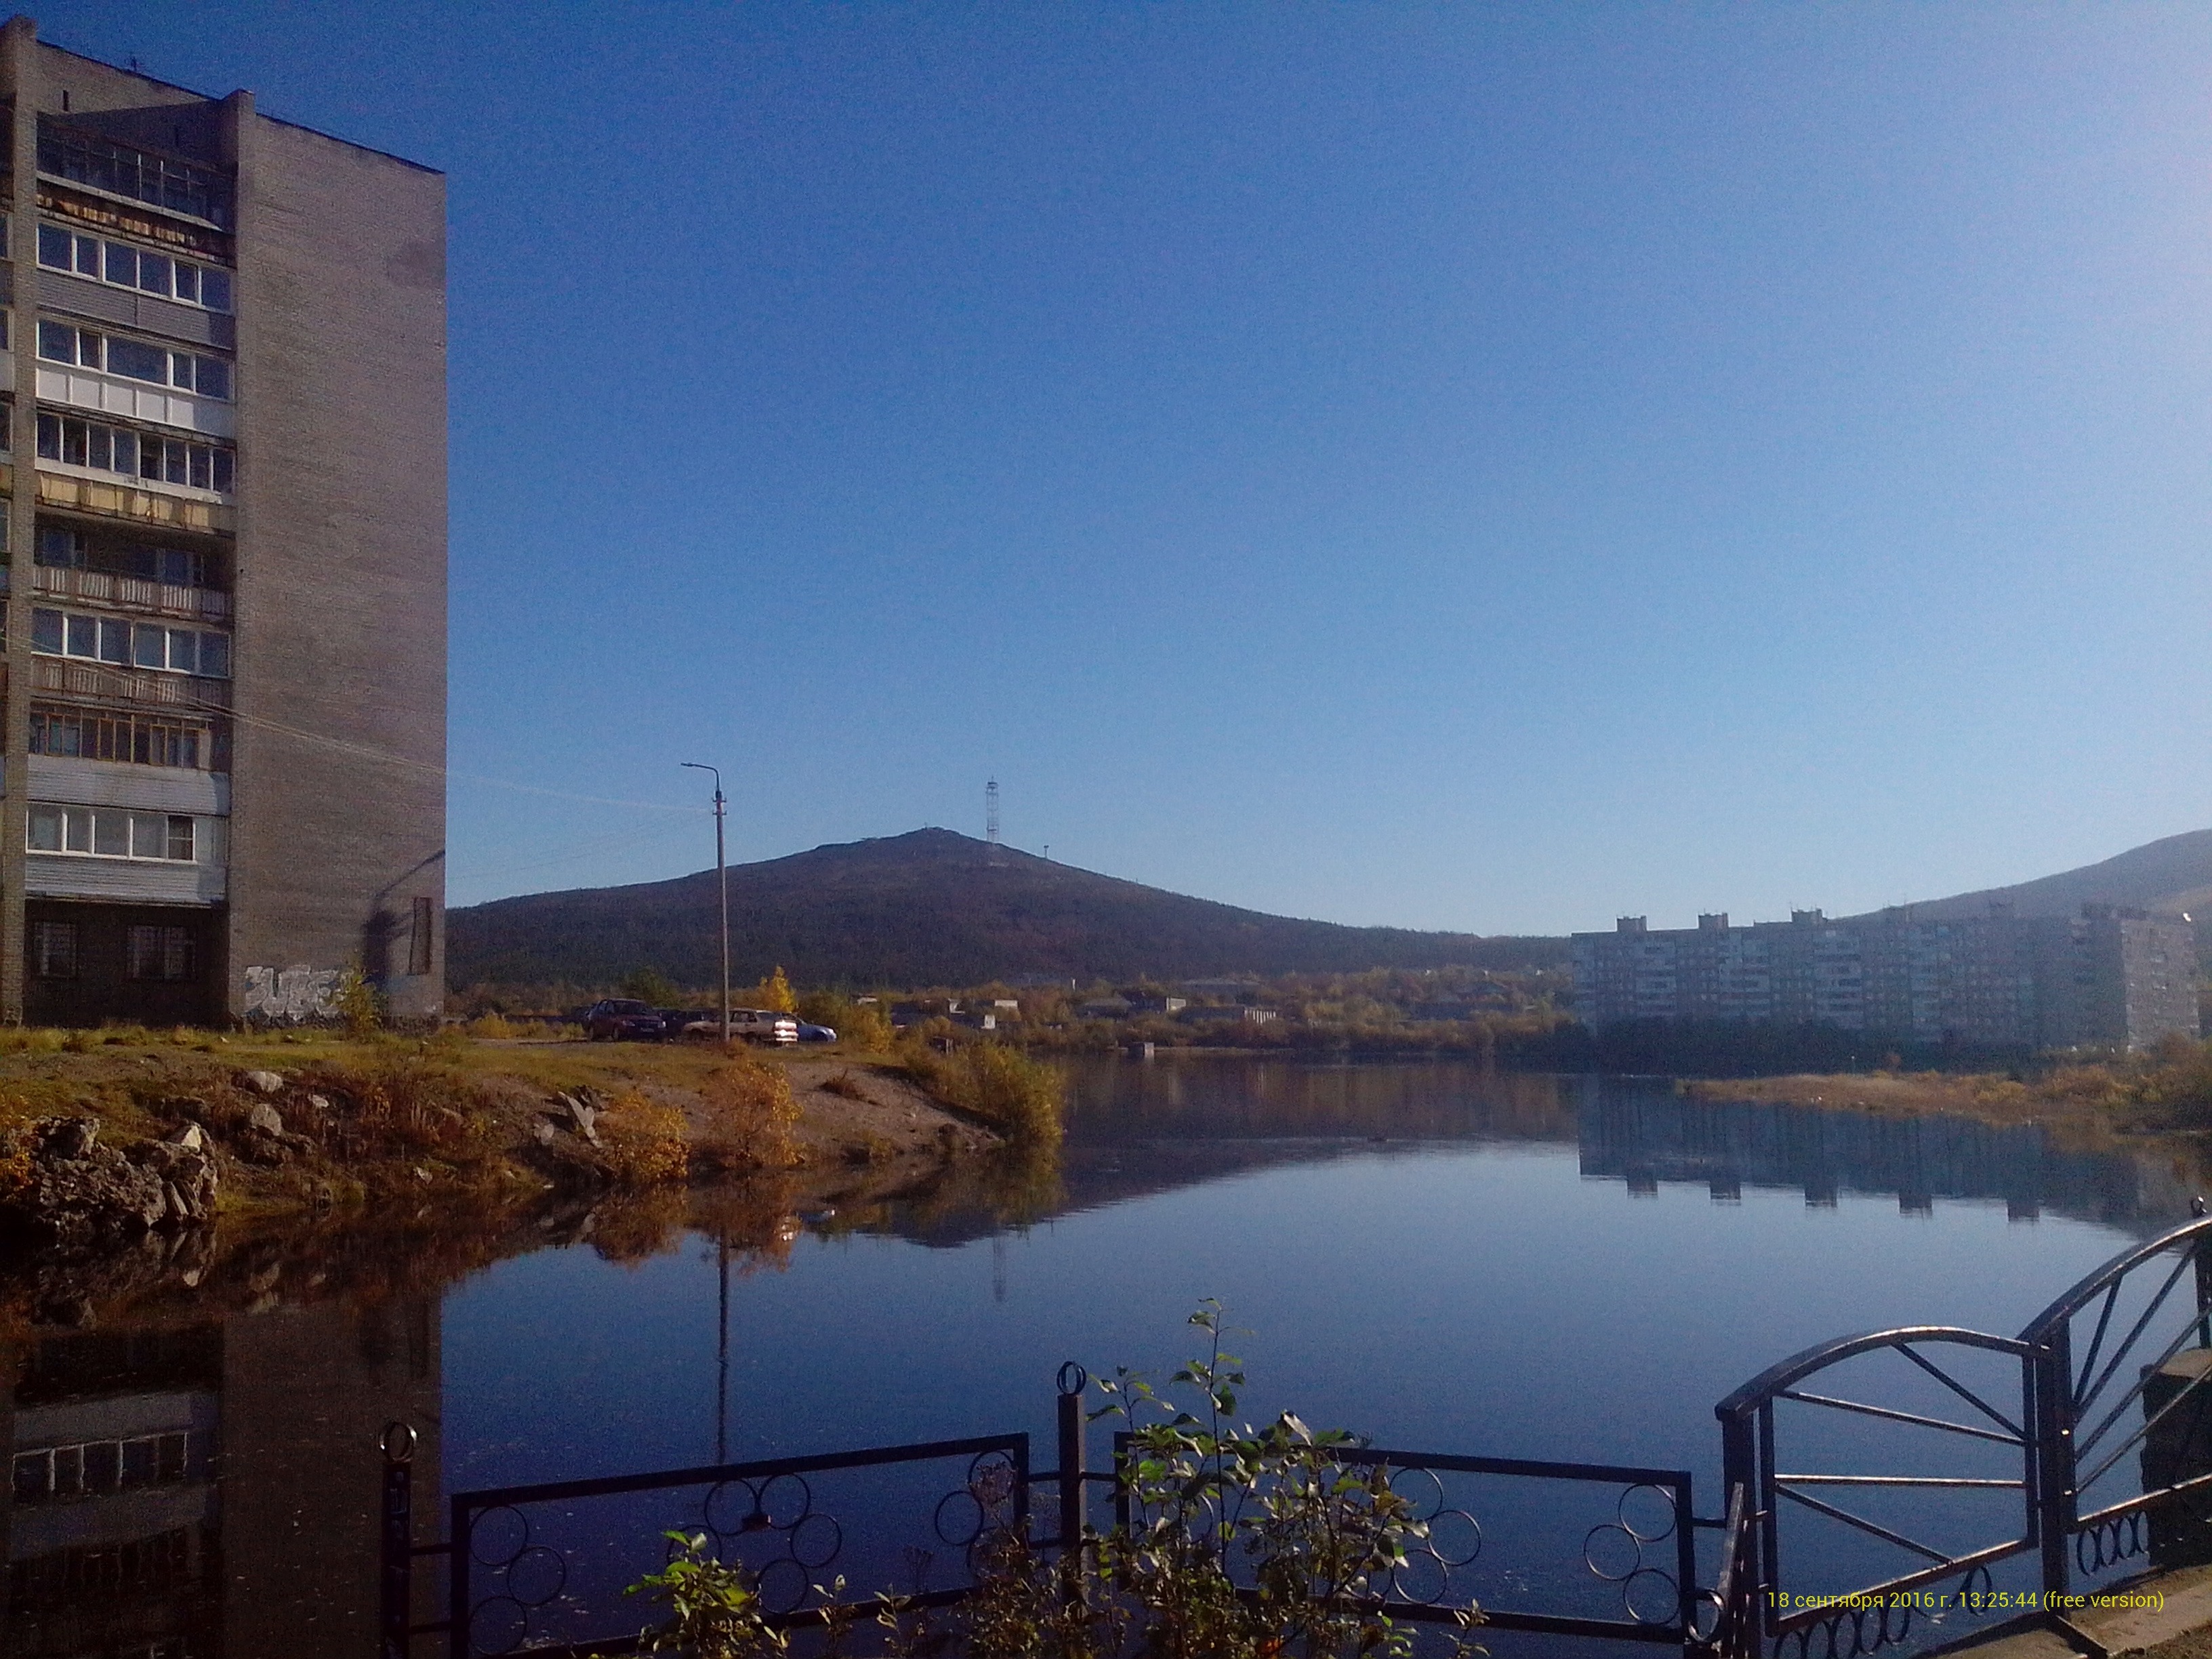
{"x": 1473, "y": 466}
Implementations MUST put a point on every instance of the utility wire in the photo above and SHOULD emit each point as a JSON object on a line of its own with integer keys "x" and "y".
{"x": 390, "y": 759}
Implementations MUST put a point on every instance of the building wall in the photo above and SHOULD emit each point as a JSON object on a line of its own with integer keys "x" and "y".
{"x": 342, "y": 569}
{"x": 2107, "y": 977}
{"x": 324, "y": 839}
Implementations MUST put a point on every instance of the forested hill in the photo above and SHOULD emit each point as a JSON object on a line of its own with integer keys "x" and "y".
{"x": 929, "y": 908}
{"x": 2172, "y": 875}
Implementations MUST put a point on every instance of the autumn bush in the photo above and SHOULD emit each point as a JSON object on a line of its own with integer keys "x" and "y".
{"x": 751, "y": 1116}
{"x": 1017, "y": 1095}
{"x": 641, "y": 1141}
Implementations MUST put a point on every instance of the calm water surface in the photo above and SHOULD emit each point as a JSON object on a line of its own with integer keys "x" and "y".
{"x": 1444, "y": 1259}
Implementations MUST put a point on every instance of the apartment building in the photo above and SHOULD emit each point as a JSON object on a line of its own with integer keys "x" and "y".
{"x": 225, "y": 553}
{"x": 2108, "y": 976}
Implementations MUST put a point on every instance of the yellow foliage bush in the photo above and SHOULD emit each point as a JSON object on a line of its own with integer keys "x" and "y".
{"x": 642, "y": 1141}
{"x": 751, "y": 1115}
{"x": 1017, "y": 1095}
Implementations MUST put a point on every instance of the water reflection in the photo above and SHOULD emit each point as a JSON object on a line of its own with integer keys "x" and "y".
{"x": 193, "y": 1432}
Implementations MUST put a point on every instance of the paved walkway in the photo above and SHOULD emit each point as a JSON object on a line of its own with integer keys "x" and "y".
{"x": 2180, "y": 1628}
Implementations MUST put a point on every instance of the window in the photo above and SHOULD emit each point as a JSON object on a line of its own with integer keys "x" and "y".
{"x": 418, "y": 940}
{"x": 53, "y": 956}
{"x": 158, "y": 953}
{"x": 109, "y": 833}
{"x": 58, "y": 343}
{"x": 125, "y": 266}
{"x": 120, "y": 169}
{"x": 67, "y": 550}
{"x": 60, "y": 549}
{"x": 135, "y": 738}
{"x": 138, "y": 645}
{"x": 116, "y": 449}
{"x": 64, "y": 342}
{"x": 107, "y": 1466}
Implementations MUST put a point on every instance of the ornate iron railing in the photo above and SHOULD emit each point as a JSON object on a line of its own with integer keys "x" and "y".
{"x": 2081, "y": 1445}
{"x": 2109, "y": 1450}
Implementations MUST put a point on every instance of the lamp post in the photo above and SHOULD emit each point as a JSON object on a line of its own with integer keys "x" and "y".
{"x": 722, "y": 878}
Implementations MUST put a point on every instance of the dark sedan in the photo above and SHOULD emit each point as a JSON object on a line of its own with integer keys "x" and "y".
{"x": 624, "y": 1019}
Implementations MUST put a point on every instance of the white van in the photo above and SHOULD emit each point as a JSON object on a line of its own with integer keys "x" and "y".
{"x": 753, "y": 1025}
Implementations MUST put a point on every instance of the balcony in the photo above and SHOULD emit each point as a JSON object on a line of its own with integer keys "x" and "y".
{"x": 132, "y": 594}
{"x": 108, "y": 683}
{"x": 136, "y": 400}
{"x": 123, "y": 500}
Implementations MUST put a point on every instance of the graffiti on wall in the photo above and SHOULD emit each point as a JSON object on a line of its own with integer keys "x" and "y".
{"x": 288, "y": 995}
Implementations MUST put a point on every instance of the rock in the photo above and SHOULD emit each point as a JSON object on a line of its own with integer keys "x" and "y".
{"x": 81, "y": 1191}
{"x": 188, "y": 1175}
{"x": 191, "y": 1138}
{"x": 262, "y": 1083}
{"x": 319, "y": 1104}
{"x": 584, "y": 1113}
{"x": 64, "y": 1138}
{"x": 544, "y": 1132}
{"x": 264, "y": 1119}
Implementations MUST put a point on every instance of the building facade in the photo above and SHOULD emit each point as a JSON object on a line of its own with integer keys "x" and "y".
{"x": 2110, "y": 977}
{"x": 225, "y": 546}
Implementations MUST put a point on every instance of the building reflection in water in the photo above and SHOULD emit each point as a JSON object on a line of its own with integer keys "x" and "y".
{"x": 190, "y": 1490}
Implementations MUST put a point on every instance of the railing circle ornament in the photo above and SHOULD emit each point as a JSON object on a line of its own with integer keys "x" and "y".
{"x": 505, "y": 1531}
{"x": 1426, "y": 1500}
{"x": 497, "y": 1625}
{"x": 1611, "y": 1552}
{"x": 1631, "y": 1510}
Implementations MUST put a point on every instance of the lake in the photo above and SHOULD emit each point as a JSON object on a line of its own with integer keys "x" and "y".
{"x": 1443, "y": 1258}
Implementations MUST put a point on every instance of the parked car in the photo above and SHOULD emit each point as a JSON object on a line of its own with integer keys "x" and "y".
{"x": 624, "y": 1019}
{"x": 811, "y": 1033}
{"x": 753, "y": 1025}
{"x": 761, "y": 1025}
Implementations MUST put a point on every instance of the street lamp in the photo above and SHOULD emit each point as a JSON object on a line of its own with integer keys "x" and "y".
{"x": 722, "y": 877}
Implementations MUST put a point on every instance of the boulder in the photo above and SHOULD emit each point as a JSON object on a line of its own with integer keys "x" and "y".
{"x": 188, "y": 1177}
{"x": 80, "y": 1192}
{"x": 262, "y": 1083}
{"x": 190, "y": 1137}
{"x": 264, "y": 1119}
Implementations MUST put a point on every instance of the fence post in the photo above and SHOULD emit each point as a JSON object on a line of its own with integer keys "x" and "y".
{"x": 396, "y": 1597}
{"x": 1740, "y": 1473}
{"x": 1073, "y": 1379}
{"x": 2053, "y": 1430}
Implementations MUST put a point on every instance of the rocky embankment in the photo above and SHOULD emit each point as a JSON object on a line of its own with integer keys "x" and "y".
{"x": 143, "y": 1151}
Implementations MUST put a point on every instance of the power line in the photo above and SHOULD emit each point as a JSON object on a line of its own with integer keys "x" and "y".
{"x": 432, "y": 767}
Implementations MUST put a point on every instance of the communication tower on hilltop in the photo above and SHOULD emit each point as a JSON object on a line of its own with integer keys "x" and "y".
{"x": 991, "y": 811}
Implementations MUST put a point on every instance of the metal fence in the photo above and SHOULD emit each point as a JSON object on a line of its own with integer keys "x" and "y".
{"x": 1880, "y": 1489}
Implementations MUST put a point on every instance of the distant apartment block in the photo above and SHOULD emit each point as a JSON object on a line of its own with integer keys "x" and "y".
{"x": 2107, "y": 977}
{"x": 225, "y": 544}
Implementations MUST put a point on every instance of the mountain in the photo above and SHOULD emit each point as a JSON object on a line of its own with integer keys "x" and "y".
{"x": 2174, "y": 874}
{"x": 928, "y": 907}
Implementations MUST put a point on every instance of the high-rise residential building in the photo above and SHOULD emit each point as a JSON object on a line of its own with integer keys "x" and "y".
{"x": 2109, "y": 977}
{"x": 225, "y": 547}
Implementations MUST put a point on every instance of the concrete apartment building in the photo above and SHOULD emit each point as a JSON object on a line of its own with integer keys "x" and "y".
{"x": 2106, "y": 977}
{"x": 225, "y": 547}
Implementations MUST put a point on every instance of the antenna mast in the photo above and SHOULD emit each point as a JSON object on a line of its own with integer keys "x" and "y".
{"x": 991, "y": 811}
